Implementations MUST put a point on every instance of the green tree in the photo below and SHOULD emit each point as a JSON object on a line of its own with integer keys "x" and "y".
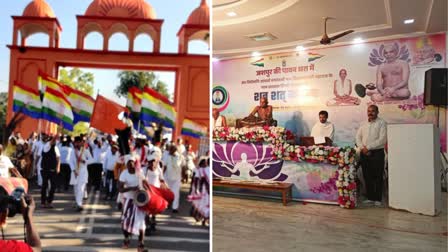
{"x": 3, "y": 106}
{"x": 140, "y": 80}
{"x": 79, "y": 80}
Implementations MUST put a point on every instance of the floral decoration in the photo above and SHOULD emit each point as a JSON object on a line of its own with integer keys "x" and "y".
{"x": 344, "y": 157}
{"x": 272, "y": 135}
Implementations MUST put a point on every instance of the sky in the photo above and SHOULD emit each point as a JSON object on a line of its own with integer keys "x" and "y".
{"x": 66, "y": 11}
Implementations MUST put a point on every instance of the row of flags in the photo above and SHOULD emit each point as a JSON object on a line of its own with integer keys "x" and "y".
{"x": 63, "y": 105}
{"x": 147, "y": 105}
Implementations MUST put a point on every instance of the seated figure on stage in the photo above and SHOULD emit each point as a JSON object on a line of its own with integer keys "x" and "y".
{"x": 322, "y": 129}
{"x": 263, "y": 118}
{"x": 218, "y": 120}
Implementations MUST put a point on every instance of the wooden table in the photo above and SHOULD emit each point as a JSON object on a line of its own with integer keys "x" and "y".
{"x": 284, "y": 188}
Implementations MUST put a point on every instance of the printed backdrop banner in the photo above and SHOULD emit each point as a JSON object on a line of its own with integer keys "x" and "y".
{"x": 342, "y": 80}
{"x": 254, "y": 162}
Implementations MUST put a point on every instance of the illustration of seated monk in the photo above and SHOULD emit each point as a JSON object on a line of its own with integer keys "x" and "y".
{"x": 342, "y": 90}
{"x": 263, "y": 118}
{"x": 392, "y": 78}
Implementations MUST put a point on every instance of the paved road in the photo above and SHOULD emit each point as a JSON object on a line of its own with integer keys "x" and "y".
{"x": 97, "y": 228}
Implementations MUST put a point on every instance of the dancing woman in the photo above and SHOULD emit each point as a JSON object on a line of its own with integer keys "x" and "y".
{"x": 199, "y": 196}
{"x": 132, "y": 218}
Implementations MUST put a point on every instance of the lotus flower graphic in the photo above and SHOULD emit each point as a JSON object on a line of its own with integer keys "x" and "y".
{"x": 246, "y": 160}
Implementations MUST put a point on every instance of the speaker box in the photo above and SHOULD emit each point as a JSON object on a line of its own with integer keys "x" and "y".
{"x": 436, "y": 91}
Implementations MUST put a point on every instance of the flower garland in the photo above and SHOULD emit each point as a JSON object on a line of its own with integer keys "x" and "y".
{"x": 272, "y": 135}
{"x": 344, "y": 157}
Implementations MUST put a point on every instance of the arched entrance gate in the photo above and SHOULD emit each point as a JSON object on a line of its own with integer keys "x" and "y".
{"x": 131, "y": 17}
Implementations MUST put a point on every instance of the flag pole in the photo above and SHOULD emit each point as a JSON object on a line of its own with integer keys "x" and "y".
{"x": 138, "y": 127}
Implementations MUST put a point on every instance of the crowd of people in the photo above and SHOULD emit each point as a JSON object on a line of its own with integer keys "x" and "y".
{"x": 97, "y": 162}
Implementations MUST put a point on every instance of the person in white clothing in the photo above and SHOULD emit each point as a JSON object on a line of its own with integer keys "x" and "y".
{"x": 218, "y": 120}
{"x": 190, "y": 157}
{"x": 342, "y": 90}
{"x": 5, "y": 165}
{"x": 173, "y": 175}
{"x": 323, "y": 128}
{"x": 66, "y": 152}
{"x": 154, "y": 177}
{"x": 154, "y": 172}
{"x": 80, "y": 175}
{"x": 181, "y": 147}
{"x": 95, "y": 168}
{"x": 110, "y": 161}
{"x": 34, "y": 151}
{"x": 199, "y": 195}
{"x": 38, "y": 157}
{"x": 132, "y": 218}
{"x": 370, "y": 140}
{"x": 141, "y": 151}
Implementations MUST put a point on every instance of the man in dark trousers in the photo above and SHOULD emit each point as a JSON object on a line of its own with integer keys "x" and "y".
{"x": 50, "y": 169}
{"x": 96, "y": 167}
{"x": 371, "y": 139}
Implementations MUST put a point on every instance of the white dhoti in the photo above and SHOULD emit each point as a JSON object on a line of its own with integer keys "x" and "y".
{"x": 80, "y": 186}
{"x": 175, "y": 185}
{"x": 79, "y": 193}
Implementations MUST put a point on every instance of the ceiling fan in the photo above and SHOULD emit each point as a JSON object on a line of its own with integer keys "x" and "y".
{"x": 327, "y": 40}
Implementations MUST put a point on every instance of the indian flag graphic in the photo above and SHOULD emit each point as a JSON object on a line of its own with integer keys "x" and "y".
{"x": 258, "y": 63}
{"x": 314, "y": 56}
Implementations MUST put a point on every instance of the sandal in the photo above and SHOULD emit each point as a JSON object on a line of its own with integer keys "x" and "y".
{"x": 125, "y": 244}
{"x": 141, "y": 247}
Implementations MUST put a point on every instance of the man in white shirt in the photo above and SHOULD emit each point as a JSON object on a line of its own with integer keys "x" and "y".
{"x": 37, "y": 151}
{"x": 218, "y": 120}
{"x": 181, "y": 147}
{"x": 96, "y": 167}
{"x": 110, "y": 160}
{"x": 78, "y": 163}
{"x": 66, "y": 151}
{"x": 173, "y": 175}
{"x": 323, "y": 128}
{"x": 370, "y": 140}
{"x": 5, "y": 164}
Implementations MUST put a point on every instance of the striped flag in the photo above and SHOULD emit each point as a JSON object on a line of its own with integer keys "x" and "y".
{"x": 193, "y": 129}
{"x": 134, "y": 102}
{"x": 44, "y": 81}
{"x": 150, "y": 107}
{"x": 26, "y": 100}
{"x": 56, "y": 108}
{"x": 157, "y": 108}
{"x": 168, "y": 114}
{"x": 82, "y": 104}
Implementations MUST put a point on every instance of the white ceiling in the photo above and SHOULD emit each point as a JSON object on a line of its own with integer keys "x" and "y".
{"x": 296, "y": 22}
